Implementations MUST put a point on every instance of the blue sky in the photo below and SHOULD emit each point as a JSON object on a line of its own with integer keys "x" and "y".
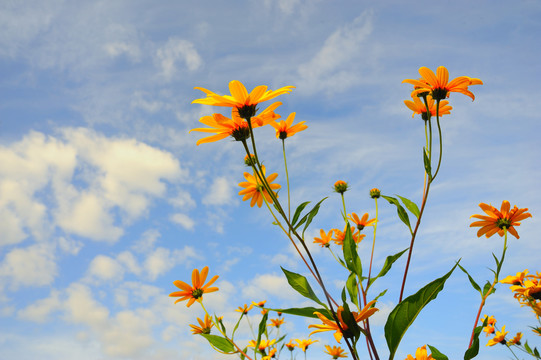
{"x": 105, "y": 200}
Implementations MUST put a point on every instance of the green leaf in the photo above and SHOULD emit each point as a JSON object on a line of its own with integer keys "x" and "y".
{"x": 428, "y": 167}
{"x": 487, "y": 287}
{"x": 348, "y": 318}
{"x": 298, "y": 211}
{"x": 311, "y": 215}
{"x": 411, "y": 206}
{"x": 220, "y": 343}
{"x": 472, "y": 282}
{"x": 351, "y": 257}
{"x": 436, "y": 354}
{"x": 474, "y": 348}
{"x": 351, "y": 285}
{"x": 403, "y": 315}
{"x": 299, "y": 283}
{"x": 262, "y": 327}
{"x": 527, "y": 347}
{"x": 305, "y": 312}
{"x": 402, "y": 214}
{"x": 389, "y": 261}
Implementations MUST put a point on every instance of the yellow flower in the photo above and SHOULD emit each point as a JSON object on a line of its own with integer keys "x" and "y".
{"x": 490, "y": 321}
{"x": 339, "y": 236}
{"x": 276, "y": 322}
{"x": 325, "y": 239}
{"x": 361, "y": 223}
{"x": 341, "y": 186}
{"x": 303, "y": 344}
{"x": 420, "y": 354}
{"x": 291, "y": 345}
{"x": 270, "y": 355}
{"x": 244, "y": 309}
{"x": 515, "y": 280}
{"x": 284, "y": 128}
{"x": 204, "y": 327}
{"x": 418, "y": 107}
{"x": 263, "y": 344}
{"x": 196, "y": 291}
{"x": 255, "y": 190}
{"x": 330, "y": 324}
{"x": 497, "y": 220}
{"x": 531, "y": 288}
{"x": 240, "y": 99}
{"x": 235, "y": 127}
{"x": 438, "y": 85}
{"x": 515, "y": 340}
{"x": 336, "y": 352}
{"x": 498, "y": 338}
{"x": 260, "y": 304}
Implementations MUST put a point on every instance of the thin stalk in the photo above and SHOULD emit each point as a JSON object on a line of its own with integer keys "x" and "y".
{"x": 373, "y": 244}
{"x": 287, "y": 179}
{"x": 441, "y": 138}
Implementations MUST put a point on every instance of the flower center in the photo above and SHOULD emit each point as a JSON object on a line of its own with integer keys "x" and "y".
{"x": 247, "y": 111}
{"x": 503, "y": 223}
{"x": 241, "y": 133}
{"x": 283, "y": 135}
{"x": 439, "y": 93}
{"x": 197, "y": 293}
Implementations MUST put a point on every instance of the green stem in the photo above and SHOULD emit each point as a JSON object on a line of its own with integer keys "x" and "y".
{"x": 373, "y": 246}
{"x": 441, "y": 138}
{"x": 287, "y": 179}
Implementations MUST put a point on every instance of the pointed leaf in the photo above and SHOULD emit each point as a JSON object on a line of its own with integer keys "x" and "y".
{"x": 298, "y": 211}
{"x": 402, "y": 214}
{"x": 389, "y": 261}
{"x": 220, "y": 343}
{"x": 299, "y": 283}
{"x": 472, "y": 282}
{"x": 428, "y": 167}
{"x": 474, "y": 348}
{"x": 403, "y": 315}
{"x": 311, "y": 215}
{"x": 351, "y": 257}
{"x": 436, "y": 354}
{"x": 351, "y": 285}
{"x": 305, "y": 312}
{"x": 410, "y": 205}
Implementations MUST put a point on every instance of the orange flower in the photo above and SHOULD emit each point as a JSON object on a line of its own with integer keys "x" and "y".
{"x": 490, "y": 321}
{"x": 276, "y": 322}
{"x": 496, "y": 220}
{"x": 361, "y": 223}
{"x": 341, "y": 186}
{"x": 263, "y": 344}
{"x": 291, "y": 345}
{"x": 260, "y": 304}
{"x": 240, "y": 99}
{"x": 244, "y": 309}
{"x": 325, "y": 239}
{"x": 303, "y": 344}
{"x": 254, "y": 190}
{"x": 195, "y": 292}
{"x": 204, "y": 327}
{"x": 284, "y": 128}
{"x": 499, "y": 338}
{"x": 418, "y": 107}
{"x": 336, "y": 352}
{"x": 339, "y": 236}
{"x": 515, "y": 280}
{"x": 330, "y": 325}
{"x": 270, "y": 355}
{"x": 236, "y": 126}
{"x": 420, "y": 354}
{"x": 438, "y": 85}
{"x": 515, "y": 340}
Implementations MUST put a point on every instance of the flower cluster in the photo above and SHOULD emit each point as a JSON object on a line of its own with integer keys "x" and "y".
{"x": 527, "y": 290}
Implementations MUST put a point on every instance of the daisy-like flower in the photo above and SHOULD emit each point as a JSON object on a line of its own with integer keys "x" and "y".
{"x": 515, "y": 340}
{"x": 537, "y": 330}
{"x": 515, "y": 280}
{"x": 325, "y": 239}
{"x": 339, "y": 236}
{"x": 340, "y": 186}
{"x": 260, "y": 304}
{"x": 244, "y": 309}
{"x": 439, "y": 86}
{"x": 499, "y": 338}
{"x": 195, "y": 292}
{"x": 336, "y": 352}
{"x": 204, "y": 326}
{"x": 531, "y": 288}
{"x": 270, "y": 355}
{"x": 362, "y": 222}
{"x": 330, "y": 324}
{"x": 419, "y": 107}
{"x": 245, "y": 103}
{"x": 276, "y": 322}
{"x": 420, "y": 354}
{"x": 263, "y": 344}
{"x": 490, "y": 321}
{"x": 375, "y": 193}
{"x": 497, "y": 220}
{"x": 235, "y": 127}
{"x": 256, "y": 191}
{"x": 291, "y": 345}
{"x": 489, "y": 329}
{"x": 284, "y": 128}
{"x": 304, "y": 343}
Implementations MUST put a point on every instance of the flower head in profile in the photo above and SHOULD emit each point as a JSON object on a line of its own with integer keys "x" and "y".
{"x": 197, "y": 289}
{"x": 304, "y": 343}
{"x": 439, "y": 86}
{"x": 420, "y": 354}
{"x": 336, "y": 352}
{"x": 515, "y": 340}
{"x": 325, "y": 238}
{"x": 260, "y": 303}
{"x": 270, "y": 355}
{"x": 204, "y": 326}
{"x": 291, "y": 345}
{"x": 495, "y": 221}
{"x": 244, "y": 309}
{"x": 243, "y": 102}
{"x": 330, "y": 324}
{"x": 276, "y": 322}
{"x": 419, "y": 107}
{"x": 284, "y": 129}
{"x": 340, "y": 186}
{"x": 518, "y": 279}
{"x": 254, "y": 190}
{"x": 362, "y": 222}
{"x": 236, "y": 127}
{"x": 530, "y": 288}
{"x": 263, "y": 344}
{"x": 499, "y": 338}
{"x": 375, "y": 193}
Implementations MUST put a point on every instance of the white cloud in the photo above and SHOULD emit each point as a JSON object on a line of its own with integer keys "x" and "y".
{"x": 269, "y": 286}
{"x": 33, "y": 265}
{"x": 172, "y": 52}
{"x": 221, "y": 192}
{"x": 106, "y": 268}
{"x": 183, "y": 220}
{"x": 333, "y": 68}
{"x": 162, "y": 260}
{"x": 41, "y": 309}
{"x": 147, "y": 241}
